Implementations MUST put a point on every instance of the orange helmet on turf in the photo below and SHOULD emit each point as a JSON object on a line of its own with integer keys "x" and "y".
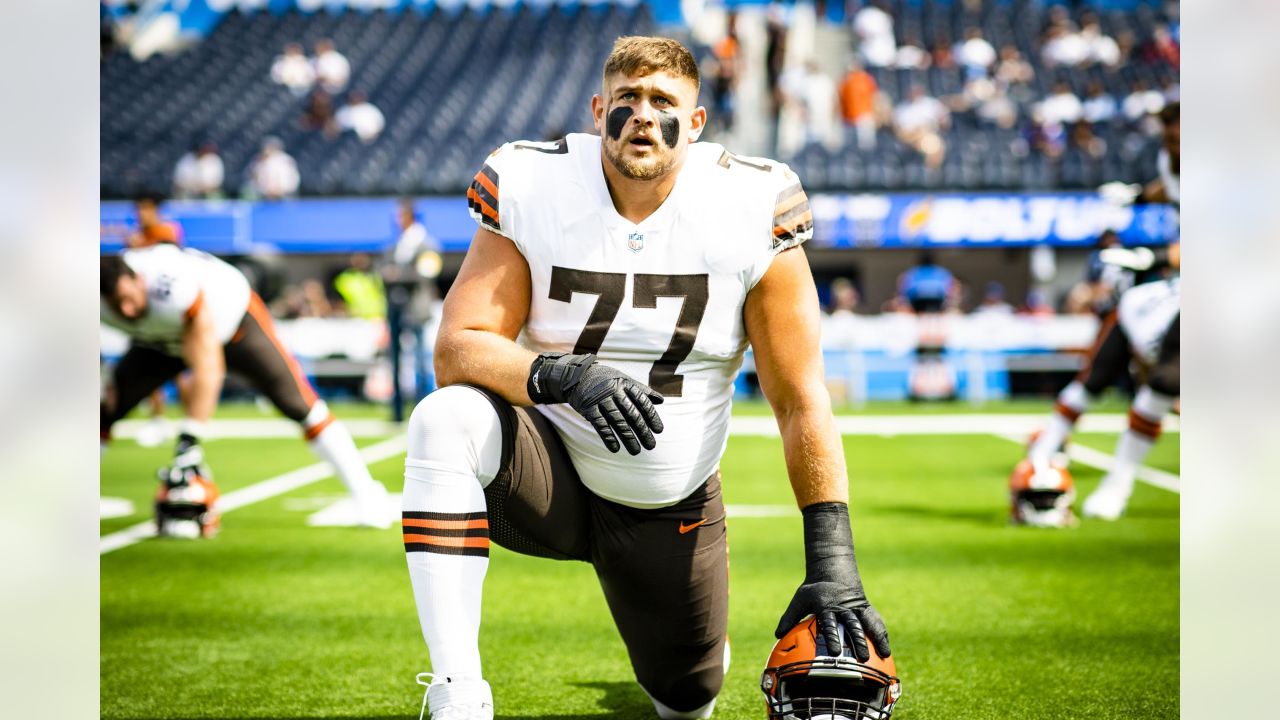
{"x": 1041, "y": 495}
{"x": 803, "y": 681}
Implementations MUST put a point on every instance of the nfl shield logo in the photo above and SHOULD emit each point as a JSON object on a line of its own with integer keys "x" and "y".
{"x": 635, "y": 242}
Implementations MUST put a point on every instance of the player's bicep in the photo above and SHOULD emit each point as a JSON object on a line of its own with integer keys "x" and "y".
{"x": 200, "y": 335}
{"x": 783, "y": 324}
{"x": 491, "y": 293}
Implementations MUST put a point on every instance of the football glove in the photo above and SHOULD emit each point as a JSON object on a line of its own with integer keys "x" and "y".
{"x": 1138, "y": 258}
{"x": 832, "y": 591}
{"x": 619, "y": 408}
{"x": 188, "y": 461}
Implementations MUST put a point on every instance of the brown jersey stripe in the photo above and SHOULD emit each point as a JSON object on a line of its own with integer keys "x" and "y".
{"x": 444, "y": 524}
{"x": 422, "y": 547}
{"x": 1143, "y": 425}
{"x": 796, "y": 211}
{"x": 789, "y": 198}
{"x": 486, "y": 185}
{"x": 488, "y": 215}
{"x": 424, "y": 515}
{"x": 795, "y": 225}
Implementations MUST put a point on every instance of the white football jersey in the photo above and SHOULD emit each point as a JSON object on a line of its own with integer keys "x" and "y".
{"x": 1145, "y": 313}
{"x": 660, "y": 300}
{"x": 179, "y": 282}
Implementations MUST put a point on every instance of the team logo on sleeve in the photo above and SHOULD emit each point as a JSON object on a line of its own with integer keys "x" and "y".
{"x": 635, "y": 242}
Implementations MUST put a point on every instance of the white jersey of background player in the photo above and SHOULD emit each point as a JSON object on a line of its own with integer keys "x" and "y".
{"x": 179, "y": 282}
{"x": 673, "y": 319}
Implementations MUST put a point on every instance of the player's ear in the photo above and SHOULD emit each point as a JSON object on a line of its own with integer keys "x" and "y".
{"x": 597, "y": 113}
{"x": 697, "y": 122}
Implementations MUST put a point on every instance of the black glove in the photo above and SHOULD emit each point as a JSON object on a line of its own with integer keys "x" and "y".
{"x": 188, "y": 462}
{"x": 832, "y": 591}
{"x": 620, "y": 408}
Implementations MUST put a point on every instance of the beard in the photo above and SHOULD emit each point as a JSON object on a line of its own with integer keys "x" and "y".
{"x": 654, "y": 166}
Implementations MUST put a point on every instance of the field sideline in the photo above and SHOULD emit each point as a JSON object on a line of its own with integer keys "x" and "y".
{"x": 276, "y": 619}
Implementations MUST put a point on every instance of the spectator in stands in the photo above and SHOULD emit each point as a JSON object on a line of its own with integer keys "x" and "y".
{"x": 1046, "y": 138}
{"x": 361, "y": 289}
{"x": 993, "y": 302}
{"x": 307, "y": 300}
{"x": 911, "y": 55}
{"x": 821, "y": 107}
{"x": 1037, "y": 305}
{"x": 975, "y": 54}
{"x": 361, "y": 117}
{"x": 293, "y": 70}
{"x": 942, "y": 56}
{"x": 858, "y": 91}
{"x": 844, "y": 297}
{"x": 1061, "y": 106}
{"x": 927, "y": 286}
{"x": 1016, "y": 74}
{"x": 996, "y": 108}
{"x": 1098, "y": 106}
{"x": 1063, "y": 46}
{"x": 1142, "y": 101}
{"x": 873, "y": 27}
{"x": 317, "y": 115}
{"x": 1083, "y": 140}
{"x": 274, "y": 173}
{"x": 199, "y": 173}
{"x": 919, "y": 123}
{"x": 726, "y": 66}
{"x": 775, "y": 55}
{"x": 1162, "y": 47}
{"x": 1102, "y": 48}
{"x": 332, "y": 70}
{"x": 1170, "y": 89}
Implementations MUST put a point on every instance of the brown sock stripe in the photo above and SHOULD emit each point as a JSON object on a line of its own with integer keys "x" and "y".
{"x": 1066, "y": 411}
{"x": 446, "y": 533}
{"x": 1143, "y": 425}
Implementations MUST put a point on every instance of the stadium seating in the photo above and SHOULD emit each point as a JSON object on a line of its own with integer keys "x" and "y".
{"x": 455, "y": 85}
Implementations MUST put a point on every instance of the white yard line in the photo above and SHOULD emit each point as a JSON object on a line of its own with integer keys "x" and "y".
{"x": 1104, "y": 461}
{"x": 269, "y": 488}
{"x": 1012, "y": 427}
{"x": 762, "y": 426}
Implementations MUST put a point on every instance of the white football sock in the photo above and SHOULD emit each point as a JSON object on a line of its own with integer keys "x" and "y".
{"x": 455, "y": 449}
{"x": 1148, "y": 409}
{"x": 1072, "y": 402}
{"x": 330, "y": 440}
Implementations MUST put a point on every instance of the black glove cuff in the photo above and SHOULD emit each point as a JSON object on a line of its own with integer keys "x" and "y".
{"x": 186, "y": 441}
{"x": 552, "y": 376}
{"x": 1162, "y": 257}
{"x": 828, "y": 540}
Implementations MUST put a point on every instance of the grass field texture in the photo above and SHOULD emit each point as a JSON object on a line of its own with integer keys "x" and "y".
{"x": 275, "y": 619}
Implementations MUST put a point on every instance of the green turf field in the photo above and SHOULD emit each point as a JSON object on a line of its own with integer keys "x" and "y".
{"x": 275, "y": 619}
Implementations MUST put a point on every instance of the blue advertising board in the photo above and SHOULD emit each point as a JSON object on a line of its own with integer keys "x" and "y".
{"x": 331, "y": 225}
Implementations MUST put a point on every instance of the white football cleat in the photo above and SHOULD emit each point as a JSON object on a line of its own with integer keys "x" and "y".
{"x": 156, "y": 431}
{"x": 448, "y": 699}
{"x": 374, "y": 508}
{"x": 1106, "y": 503}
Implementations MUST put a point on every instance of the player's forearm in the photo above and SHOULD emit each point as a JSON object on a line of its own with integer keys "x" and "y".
{"x": 813, "y": 452}
{"x": 485, "y": 359}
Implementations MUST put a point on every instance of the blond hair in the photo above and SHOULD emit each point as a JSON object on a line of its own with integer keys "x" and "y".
{"x": 641, "y": 55}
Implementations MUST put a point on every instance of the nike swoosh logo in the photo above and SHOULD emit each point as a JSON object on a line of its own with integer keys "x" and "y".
{"x": 686, "y": 528}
